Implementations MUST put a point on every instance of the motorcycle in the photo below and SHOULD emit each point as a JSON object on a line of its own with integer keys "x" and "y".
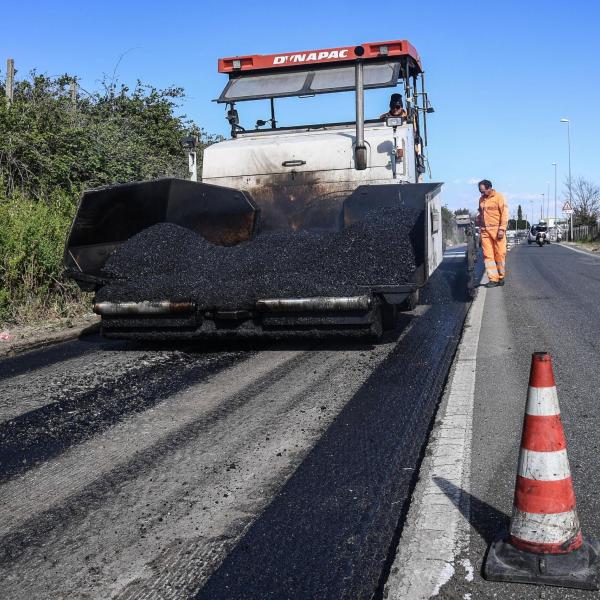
{"x": 541, "y": 238}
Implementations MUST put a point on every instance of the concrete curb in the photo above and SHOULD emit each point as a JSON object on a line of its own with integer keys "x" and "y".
{"x": 49, "y": 338}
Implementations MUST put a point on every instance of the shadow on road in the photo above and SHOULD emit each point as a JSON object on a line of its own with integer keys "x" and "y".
{"x": 11, "y": 366}
{"x": 488, "y": 521}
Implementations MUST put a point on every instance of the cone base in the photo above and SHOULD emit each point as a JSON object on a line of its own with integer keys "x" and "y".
{"x": 579, "y": 569}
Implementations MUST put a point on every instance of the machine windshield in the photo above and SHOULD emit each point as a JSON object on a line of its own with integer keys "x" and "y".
{"x": 309, "y": 82}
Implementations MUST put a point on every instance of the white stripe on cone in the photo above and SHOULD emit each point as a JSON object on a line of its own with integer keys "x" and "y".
{"x": 542, "y": 402}
{"x": 544, "y": 529}
{"x": 547, "y": 466}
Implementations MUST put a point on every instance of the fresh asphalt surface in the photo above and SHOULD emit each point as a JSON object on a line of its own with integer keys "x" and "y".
{"x": 551, "y": 302}
{"x": 240, "y": 471}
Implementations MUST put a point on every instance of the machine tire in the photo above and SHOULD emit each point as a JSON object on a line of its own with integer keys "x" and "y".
{"x": 411, "y": 302}
{"x": 377, "y": 328}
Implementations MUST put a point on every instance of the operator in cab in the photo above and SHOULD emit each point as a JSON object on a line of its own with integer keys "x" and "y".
{"x": 492, "y": 219}
{"x": 396, "y": 108}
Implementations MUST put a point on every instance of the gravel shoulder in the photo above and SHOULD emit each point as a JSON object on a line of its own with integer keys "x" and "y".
{"x": 592, "y": 247}
{"x": 24, "y": 338}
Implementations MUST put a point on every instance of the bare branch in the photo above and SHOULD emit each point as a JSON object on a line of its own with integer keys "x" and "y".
{"x": 585, "y": 198}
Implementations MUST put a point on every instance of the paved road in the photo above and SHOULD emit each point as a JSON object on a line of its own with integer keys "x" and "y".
{"x": 264, "y": 471}
{"x": 550, "y": 303}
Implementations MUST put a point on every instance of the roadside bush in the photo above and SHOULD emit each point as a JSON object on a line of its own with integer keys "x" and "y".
{"x": 52, "y": 146}
{"x": 32, "y": 238}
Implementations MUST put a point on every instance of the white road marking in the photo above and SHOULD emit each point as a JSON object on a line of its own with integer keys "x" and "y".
{"x": 585, "y": 252}
{"x": 436, "y": 532}
{"x": 456, "y": 251}
{"x": 446, "y": 576}
{"x": 469, "y": 570}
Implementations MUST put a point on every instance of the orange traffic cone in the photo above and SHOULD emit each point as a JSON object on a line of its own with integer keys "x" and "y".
{"x": 544, "y": 544}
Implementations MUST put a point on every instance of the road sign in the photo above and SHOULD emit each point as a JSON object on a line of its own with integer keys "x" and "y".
{"x": 567, "y": 208}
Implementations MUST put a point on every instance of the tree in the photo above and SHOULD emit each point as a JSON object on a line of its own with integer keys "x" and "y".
{"x": 447, "y": 218}
{"x": 448, "y": 226}
{"x": 519, "y": 213}
{"x": 466, "y": 211}
{"x": 518, "y": 224}
{"x": 585, "y": 198}
{"x": 52, "y": 146}
{"x": 113, "y": 135}
{"x": 462, "y": 211}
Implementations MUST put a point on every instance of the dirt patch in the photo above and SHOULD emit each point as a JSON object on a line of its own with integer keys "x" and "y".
{"x": 21, "y": 338}
{"x": 589, "y": 246}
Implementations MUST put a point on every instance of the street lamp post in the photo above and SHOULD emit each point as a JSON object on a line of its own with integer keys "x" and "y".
{"x": 568, "y": 122}
{"x": 542, "y": 208}
{"x": 531, "y": 212}
{"x": 554, "y": 165}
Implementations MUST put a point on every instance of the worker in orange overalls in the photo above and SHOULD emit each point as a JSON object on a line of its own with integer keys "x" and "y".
{"x": 493, "y": 220}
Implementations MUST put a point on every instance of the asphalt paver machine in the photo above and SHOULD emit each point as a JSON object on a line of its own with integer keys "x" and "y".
{"x": 305, "y": 177}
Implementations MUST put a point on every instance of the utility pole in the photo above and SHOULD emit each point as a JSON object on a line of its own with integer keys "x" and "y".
{"x": 73, "y": 86}
{"x": 10, "y": 80}
{"x": 555, "y": 218}
{"x": 568, "y": 122}
{"x": 531, "y": 212}
{"x": 542, "y": 208}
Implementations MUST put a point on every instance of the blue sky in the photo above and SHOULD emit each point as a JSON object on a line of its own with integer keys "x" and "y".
{"x": 500, "y": 74}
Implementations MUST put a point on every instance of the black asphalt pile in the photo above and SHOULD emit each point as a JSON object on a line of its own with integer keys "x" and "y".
{"x": 171, "y": 262}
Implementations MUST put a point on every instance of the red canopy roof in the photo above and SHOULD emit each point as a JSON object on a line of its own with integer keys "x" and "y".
{"x": 345, "y": 54}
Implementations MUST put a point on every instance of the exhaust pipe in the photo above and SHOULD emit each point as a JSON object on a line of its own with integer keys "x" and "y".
{"x": 360, "y": 150}
{"x": 162, "y": 307}
{"x": 322, "y": 304}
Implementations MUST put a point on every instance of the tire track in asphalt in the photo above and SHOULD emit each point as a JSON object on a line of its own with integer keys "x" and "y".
{"x": 152, "y": 490}
{"x": 51, "y": 410}
{"x": 54, "y": 354}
